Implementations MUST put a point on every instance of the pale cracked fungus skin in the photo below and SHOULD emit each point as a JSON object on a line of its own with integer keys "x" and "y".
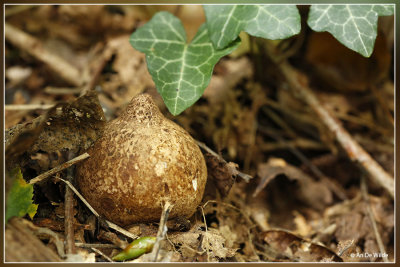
{"x": 142, "y": 160}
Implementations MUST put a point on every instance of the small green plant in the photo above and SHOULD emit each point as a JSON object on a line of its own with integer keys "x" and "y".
{"x": 182, "y": 71}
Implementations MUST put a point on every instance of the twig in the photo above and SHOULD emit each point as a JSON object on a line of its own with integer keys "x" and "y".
{"x": 108, "y": 223}
{"x": 364, "y": 122}
{"x": 300, "y": 143}
{"x": 101, "y": 254}
{"x": 120, "y": 230}
{"x": 112, "y": 238}
{"x": 162, "y": 229}
{"x": 34, "y": 46}
{"x": 205, "y": 226}
{"x": 62, "y": 90}
{"x": 364, "y": 192}
{"x": 58, "y": 168}
{"x": 87, "y": 245}
{"x": 27, "y": 107}
{"x": 242, "y": 175}
{"x": 354, "y": 151}
{"x": 69, "y": 211}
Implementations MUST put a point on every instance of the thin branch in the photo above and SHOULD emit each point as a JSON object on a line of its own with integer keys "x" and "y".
{"x": 102, "y": 254}
{"x": 162, "y": 229}
{"x": 62, "y": 90}
{"x": 206, "y": 230}
{"x": 87, "y": 245}
{"x": 69, "y": 211}
{"x": 59, "y": 168}
{"x": 34, "y": 46}
{"x": 355, "y": 152}
{"x": 11, "y": 107}
{"x": 112, "y": 238}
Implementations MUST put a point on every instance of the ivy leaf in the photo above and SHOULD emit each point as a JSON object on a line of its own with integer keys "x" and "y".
{"x": 225, "y": 22}
{"x": 355, "y": 26}
{"x": 19, "y": 200}
{"x": 181, "y": 71}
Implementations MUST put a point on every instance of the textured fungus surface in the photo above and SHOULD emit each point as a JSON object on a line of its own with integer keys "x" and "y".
{"x": 142, "y": 160}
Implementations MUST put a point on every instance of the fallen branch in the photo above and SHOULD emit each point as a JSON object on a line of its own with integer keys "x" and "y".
{"x": 34, "y": 46}
{"x": 355, "y": 152}
{"x": 69, "y": 212}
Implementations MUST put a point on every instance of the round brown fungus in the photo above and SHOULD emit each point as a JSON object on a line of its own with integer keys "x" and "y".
{"x": 142, "y": 160}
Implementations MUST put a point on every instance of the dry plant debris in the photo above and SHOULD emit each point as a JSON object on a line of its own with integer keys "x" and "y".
{"x": 288, "y": 129}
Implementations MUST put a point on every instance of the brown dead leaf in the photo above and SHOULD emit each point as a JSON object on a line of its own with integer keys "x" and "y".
{"x": 21, "y": 137}
{"x": 314, "y": 193}
{"x": 354, "y": 223}
{"x": 214, "y": 243}
{"x": 223, "y": 173}
{"x": 71, "y": 126}
{"x": 200, "y": 242}
{"x": 298, "y": 249}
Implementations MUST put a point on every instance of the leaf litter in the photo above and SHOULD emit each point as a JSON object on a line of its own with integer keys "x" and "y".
{"x": 286, "y": 213}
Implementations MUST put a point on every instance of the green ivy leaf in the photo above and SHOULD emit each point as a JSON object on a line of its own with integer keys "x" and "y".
{"x": 225, "y": 22}
{"x": 355, "y": 26}
{"x": 181, "y": 71}
{"x": 19, "y": 200}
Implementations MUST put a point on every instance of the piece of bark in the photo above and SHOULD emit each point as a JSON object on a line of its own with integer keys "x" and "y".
{"x": 21, "y": 245}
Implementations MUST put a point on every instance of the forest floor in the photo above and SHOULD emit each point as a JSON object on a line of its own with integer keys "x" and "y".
{"x": 282, "y": 186}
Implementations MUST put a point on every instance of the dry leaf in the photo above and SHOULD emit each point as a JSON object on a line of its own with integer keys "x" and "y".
{"x": 71, "y": 126}
{"x": 222, "y": 173}
{"x": 297, "y": 249}
{"x": 314, "y": 193}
